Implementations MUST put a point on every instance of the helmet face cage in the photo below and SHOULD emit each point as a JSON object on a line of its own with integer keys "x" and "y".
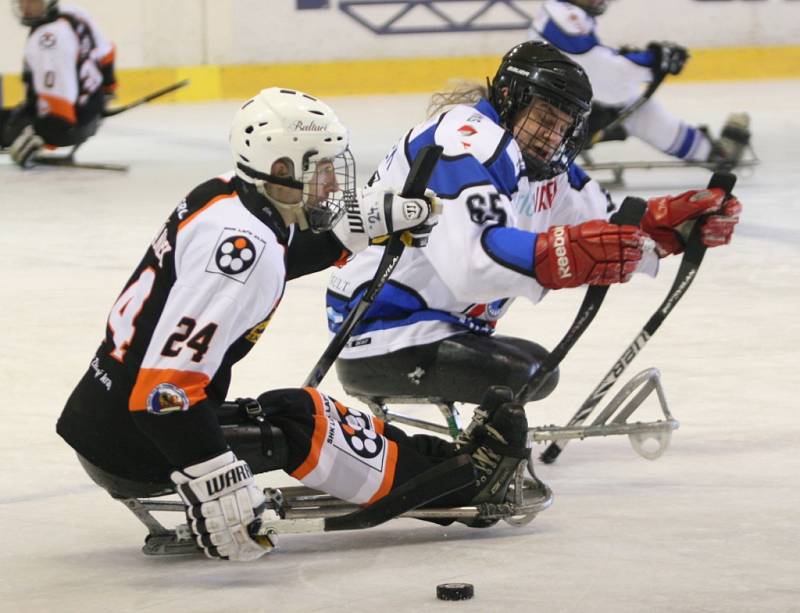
{"x": 550, "y": 133}
{"x": 592, "y": 7}
{"x": 329, "y": 186}
{"x": 48, "y": 8}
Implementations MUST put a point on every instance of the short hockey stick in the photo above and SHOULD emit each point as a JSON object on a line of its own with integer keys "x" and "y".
{"x": 416, "y": 182}
{"x": 690, "y": 263}
{"x": 629, "y": 110}
{"x": 156, "y": 94}
{"x": 630, "y": 212}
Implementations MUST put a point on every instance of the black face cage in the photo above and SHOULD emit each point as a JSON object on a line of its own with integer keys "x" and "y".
{"x": 550, "y": 132}
{"x": 329, "y": 186}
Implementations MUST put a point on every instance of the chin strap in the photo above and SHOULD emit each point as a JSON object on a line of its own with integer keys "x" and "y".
{"x": 290, "y": 213}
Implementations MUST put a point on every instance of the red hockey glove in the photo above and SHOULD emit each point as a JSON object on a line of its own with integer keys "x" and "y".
{"x": 665, "y": 217}
{"x": 595, "y": 252}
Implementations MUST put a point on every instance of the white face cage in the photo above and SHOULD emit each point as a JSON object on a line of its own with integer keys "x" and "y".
{"x": 329, "y": 185}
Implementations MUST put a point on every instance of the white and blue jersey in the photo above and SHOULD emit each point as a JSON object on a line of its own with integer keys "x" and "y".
{"x": 480, "y": 256}
{"x": 618, "y": 78}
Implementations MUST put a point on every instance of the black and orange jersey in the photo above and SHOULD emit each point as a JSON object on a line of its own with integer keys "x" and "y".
{"x": 196, "y": 304}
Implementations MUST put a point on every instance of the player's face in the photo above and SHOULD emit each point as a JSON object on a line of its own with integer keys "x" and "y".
{"x": 290, "y": 195}
{"x": 323, "y": 183}
{"x": 31, "y": 9}
{"x": 540, "y": 129}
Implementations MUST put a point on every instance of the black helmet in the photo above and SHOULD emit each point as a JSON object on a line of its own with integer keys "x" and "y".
{"x": 593, "y": 7}
{"x": 554, "y": 93}
{"x": 49, "y": 12}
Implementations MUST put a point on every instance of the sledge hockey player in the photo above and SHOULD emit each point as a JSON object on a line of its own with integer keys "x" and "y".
{"x": 68, "y": 71}
{"x": 618, "y": 77}
{"x": 145, "y": 418}
{"x": 519, "y": 219}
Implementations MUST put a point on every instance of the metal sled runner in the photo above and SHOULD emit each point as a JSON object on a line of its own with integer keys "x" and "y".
{"x": 299, "y": 509}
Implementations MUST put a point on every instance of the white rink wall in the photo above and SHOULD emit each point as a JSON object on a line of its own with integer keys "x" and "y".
{"x": 151, "y": 33}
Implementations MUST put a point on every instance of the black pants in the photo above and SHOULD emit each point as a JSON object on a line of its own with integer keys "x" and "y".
{"x": 459, "y": 368}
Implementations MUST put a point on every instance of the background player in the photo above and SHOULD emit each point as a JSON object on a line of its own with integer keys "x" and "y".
{"x": 144, "y": 419}
{"x": 68, "y": 70}
{"x": 518, "y": 220}
{"x": 617, "y": 77}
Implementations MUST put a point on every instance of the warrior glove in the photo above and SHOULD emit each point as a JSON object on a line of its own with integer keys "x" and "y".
{"x": 380, "y": 213}
{"x": 668, "y": 219}
{"x": 222, "y": 505}
{"x": 595, "y": 252}
{"x": 668, "y": 58}
{"x": 25, "y": 147}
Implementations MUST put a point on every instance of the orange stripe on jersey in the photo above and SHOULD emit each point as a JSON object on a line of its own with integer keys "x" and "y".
{"x": 317, "y": 439}
{"x": 208, "y": 204}
{"x": 109, "y": 57}
{"x": 193, "y": 384}
{"x": 388, "y": 473}
{"x": 60, "y": 107}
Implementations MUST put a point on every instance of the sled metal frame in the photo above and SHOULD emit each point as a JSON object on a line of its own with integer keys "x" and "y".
{"x": 610, "y": 421}
{"x": 617, "y": 169}
{"x": 301, "y": 510}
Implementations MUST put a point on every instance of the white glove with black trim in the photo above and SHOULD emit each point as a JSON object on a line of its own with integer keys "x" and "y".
{"x": 380, "y": 213}
{"x": 222, "y": 502}
{"x": 25, "y": 147}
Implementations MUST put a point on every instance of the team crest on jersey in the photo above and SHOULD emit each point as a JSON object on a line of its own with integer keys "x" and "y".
{"x": 466, "y": 131}
{"x": 235, "y": 254}
{"x": 167, "y": 398}
{"x": 47, "y": 40}
{"x": 358, "y": 433}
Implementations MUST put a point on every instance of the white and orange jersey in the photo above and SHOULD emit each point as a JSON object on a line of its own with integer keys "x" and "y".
{"x": 63, "y": 62}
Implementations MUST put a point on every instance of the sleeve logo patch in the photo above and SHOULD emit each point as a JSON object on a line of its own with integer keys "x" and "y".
{"x": 167, "y": 398}
{"x": 235, "y": 255}
{"x": 47, "y": 40}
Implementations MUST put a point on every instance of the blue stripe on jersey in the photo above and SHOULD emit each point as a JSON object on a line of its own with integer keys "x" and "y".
{"x": 642, "y": 58}
{"x": 386, "y": 312}
{"x": 569, "y": 44}
{"x": 510, "y": 247}
{"x": 453, "y": 174}
{"x": 688, "y": 142}
{"x": 577, "y": 176}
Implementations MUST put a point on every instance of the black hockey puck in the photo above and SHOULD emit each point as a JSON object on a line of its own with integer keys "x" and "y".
{"x": 455, "y": 591}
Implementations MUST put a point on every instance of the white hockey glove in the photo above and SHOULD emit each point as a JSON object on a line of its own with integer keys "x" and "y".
{"x": 222, "y": 501}
{"x": 380, "y": 213}
{"x": 25, "y": 147}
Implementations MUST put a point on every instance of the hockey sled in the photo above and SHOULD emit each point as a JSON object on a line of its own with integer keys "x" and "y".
{"x": 617, "y": 169}
{"x": 649, "y": 439}
{"x": 299, "y": 509}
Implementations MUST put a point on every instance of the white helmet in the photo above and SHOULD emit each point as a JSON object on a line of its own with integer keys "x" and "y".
{"x": 288, "y": 125}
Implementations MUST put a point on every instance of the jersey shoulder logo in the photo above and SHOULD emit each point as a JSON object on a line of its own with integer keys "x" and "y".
{"x": 47, "y": 40}
{"x": 167, "y": 398}
{"x": 235, "y": 254}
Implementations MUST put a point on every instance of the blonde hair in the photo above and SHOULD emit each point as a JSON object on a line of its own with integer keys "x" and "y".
{"x": 458, "y": 92}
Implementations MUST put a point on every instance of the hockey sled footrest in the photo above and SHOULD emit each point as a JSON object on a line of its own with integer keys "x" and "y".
{"x": 613, "y": 419}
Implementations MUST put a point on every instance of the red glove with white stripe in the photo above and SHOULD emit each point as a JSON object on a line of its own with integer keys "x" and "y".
{"x": 665, "y": 218}
{"x": 595, "y": 252}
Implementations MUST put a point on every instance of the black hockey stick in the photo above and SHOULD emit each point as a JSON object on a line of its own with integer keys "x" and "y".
{"x": 629, "y": 110}
{"x": 156, "y": 94}
{"x": 690, "y": 263}
{"x": 445, "y": 478}
{"x": 416, "y": 182}
{"x": 630, "y": 213}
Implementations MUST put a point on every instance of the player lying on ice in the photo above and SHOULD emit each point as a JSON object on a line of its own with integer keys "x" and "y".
{"x": 68, "y": 74}
{"x": 518, "y": 219}
{"x": 145, "y": 418}
{"x": 617, "y": 77}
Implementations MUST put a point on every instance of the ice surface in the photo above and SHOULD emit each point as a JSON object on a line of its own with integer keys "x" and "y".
{"x": 711, "y": 526}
